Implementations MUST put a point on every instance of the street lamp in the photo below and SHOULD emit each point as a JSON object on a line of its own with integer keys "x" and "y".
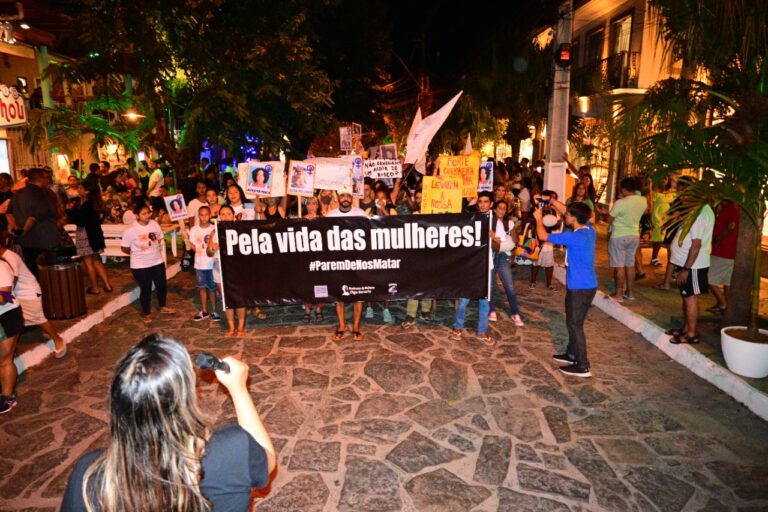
{"x": 132, "y": 115}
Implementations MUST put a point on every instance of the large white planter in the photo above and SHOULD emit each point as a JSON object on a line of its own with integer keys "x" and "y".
{"x": 745, "y": 357}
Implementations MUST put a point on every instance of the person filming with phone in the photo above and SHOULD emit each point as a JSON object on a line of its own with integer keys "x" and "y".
{"x": 163, "y": 453}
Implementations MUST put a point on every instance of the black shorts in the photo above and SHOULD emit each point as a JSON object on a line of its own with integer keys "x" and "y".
{"x": 697, "y": 282}
{"x": 12, "y": 322}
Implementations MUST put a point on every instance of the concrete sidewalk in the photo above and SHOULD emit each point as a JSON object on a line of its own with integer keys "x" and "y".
{"x": 654, "y": 310}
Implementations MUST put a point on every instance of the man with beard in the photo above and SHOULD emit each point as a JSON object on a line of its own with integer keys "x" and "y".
{"x": 346, "y": 209}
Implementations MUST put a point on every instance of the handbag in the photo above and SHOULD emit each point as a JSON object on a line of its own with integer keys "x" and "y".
{"x": 528, "y": 246}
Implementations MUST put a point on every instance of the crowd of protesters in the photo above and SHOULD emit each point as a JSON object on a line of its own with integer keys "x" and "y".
{"x": 33, "y": 211}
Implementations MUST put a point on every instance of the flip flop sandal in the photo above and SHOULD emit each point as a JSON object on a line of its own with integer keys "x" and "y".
{"x": 716, "y": 310}
{"x": 675, "y": 331}
{"x": 338, "y": 334}
{"x": 357, "y": 336}
{"x": 684, "y": 340}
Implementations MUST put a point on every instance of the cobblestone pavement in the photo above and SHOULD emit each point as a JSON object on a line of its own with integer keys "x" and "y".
{"x": 411, "y": 420}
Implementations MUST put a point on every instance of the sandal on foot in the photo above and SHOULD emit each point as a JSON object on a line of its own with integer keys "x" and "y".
{"x": 487, "y": 339}
{"x": 241, "y": 334}
{"x": 717, "y": 310}
{"x": 684, "y": 339}
{"x": 58, "y": 354}
{"x": 108, "y": 289}
{"x": 306, "y": 317}
{"x": 456, "y": 334}
{"x": 661, "y": 287}
{"x": 91, "y": 291}
{"x": 229, "y": 333}
{"x": 675, "y": 331}
{"x": 357, "y": 336}
{"x": 339, "y": 334}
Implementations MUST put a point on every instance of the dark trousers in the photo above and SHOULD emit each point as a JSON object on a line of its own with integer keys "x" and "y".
{"x": 30, "y": 258}
{"x": 577, "y": 304}
{"x": 146, "y": 277}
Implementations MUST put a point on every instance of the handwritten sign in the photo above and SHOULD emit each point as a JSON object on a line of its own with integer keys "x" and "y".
{"x": 380, "y": 168}
{"x": 333, "y": 174}
{"x": 463, "y": 167}
{"x": 441, "y": 195}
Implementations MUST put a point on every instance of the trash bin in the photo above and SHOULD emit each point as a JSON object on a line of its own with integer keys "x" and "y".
{"x": 63, "y": 286}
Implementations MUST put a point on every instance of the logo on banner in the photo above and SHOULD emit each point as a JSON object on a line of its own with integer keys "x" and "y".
{"x": 356, "y": 290}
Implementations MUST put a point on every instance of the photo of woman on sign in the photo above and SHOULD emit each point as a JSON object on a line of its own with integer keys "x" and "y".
{"x": 176, "y": 207}
{"x": 259, "y": 180}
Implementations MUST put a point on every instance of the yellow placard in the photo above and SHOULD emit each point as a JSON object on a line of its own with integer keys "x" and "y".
{"x": 463, "y": 167}
{"x": 441, "y": 195}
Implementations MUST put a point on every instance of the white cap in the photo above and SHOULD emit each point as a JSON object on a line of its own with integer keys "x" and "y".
{"x": 549, "y": 220}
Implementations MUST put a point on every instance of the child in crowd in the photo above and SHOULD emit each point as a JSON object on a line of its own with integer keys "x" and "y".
{"x": 226, "y": 214}
{"x": 546, "y": 260}
{"x": 200, "y": 237}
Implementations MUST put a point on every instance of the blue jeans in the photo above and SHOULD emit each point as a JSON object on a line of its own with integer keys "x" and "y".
{"x": 461, "y": 312}
{"x": 501, "y": 268}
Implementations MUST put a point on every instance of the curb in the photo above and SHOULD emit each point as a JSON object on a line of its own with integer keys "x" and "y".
{"x": 755, "y": 400}
{"x": 41, "y": 352}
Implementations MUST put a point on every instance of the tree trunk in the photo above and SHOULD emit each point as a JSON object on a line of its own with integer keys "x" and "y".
{"x": 740, "y": 291}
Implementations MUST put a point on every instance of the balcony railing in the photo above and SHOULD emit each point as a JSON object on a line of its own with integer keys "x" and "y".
{"x": 618, "y": 71}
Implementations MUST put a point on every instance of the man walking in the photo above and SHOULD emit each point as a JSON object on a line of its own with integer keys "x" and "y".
{"x": 581, "y": 280}
{"x": 346, "y": 209}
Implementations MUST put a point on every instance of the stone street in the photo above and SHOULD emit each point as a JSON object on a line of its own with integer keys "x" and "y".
{"x": 412, "y": 420}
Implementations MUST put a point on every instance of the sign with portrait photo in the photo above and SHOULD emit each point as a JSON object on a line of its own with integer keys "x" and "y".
{"x": 485, "y": 177}
{"x": 356, "y": 163}
{"x": 259, "y": 178}
{"x": 388, "y": 151}
{"x": 301, "y": 178}
{"x": 345, "y": 138}
{"x": 176, "y": 207}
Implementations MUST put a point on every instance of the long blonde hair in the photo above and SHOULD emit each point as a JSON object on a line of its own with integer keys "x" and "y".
{"x": 158, "y": 435}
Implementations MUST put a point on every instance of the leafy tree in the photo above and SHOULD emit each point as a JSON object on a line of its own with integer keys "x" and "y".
{"x": 218, "y": 69}
{"x": 726, "y": 43}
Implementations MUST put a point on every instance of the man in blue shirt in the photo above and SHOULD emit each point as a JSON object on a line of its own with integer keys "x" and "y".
{"x": 581, "y": 280}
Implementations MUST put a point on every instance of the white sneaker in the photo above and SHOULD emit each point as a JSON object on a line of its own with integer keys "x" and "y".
{"x": 368, "y": 313}
{"x": 518, "y": 321}
{"x": 492, "y": 316}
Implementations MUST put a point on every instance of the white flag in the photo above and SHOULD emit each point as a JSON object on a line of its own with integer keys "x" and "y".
{"x": 468, "y": 147}
{"x": 416, "y": 122}
{"x": 421, "y": 163}
{"x": 422, "y": 135}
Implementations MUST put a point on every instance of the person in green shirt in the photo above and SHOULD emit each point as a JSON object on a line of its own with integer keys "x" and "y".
{"x": 624, "y": 231}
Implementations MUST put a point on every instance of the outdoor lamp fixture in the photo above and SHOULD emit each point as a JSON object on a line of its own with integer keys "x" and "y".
{"x": 132, "y": 115}
{"x": 24, "y": 26}
{"x": 6, "y": 33}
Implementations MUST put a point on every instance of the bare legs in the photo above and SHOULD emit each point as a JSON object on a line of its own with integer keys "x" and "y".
{"x": 93, "y": 268}
{"x": 7, "y": 368}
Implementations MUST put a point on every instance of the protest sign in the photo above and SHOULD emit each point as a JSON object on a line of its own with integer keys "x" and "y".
{"x": 388, "y": 151}
{"x": 380, "y": 168}
{"x": 441, "y": 195}
{"x": 463, "y": 167}
{"x": 345, "y": 138}
{"x": 356, "y": 163}
{"x": 258, "y": 179}
{"x": 278, "y": 178}
{"x": 301, "y": 178}
{"x": 176, "y": 207}
{"x": 485, "y": 177}
{"x": 351, "y": 259}
{"x": 333, "y": 174}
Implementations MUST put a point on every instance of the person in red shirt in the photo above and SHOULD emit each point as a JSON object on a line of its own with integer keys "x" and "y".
{"x": 724, "y": 238}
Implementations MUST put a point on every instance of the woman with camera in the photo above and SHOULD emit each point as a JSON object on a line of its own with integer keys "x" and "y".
{"x": 163, "y": 453}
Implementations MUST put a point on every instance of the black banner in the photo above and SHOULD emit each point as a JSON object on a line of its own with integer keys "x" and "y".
{"x": 352, "y": 259}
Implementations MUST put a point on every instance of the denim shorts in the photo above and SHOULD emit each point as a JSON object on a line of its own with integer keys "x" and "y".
{"x": 204, "y": 279}
{"x": 621, "y": 251}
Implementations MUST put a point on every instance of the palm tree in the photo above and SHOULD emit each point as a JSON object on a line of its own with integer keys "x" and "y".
{"x": 717, "y": 123}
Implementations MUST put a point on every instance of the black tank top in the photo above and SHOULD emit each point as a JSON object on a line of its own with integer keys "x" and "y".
{"x": 272, "y": 216}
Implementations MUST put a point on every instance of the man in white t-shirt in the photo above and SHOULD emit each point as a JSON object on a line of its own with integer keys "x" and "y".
{"x": 346, "y": 209}
{"x": 692, "y": 261}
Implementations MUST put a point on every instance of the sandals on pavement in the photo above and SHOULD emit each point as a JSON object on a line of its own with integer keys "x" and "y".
{"x": 487, "y": 339}
{"x": 675, "y": 331}
{"x": 338, "y": 334}
{"x": 357, "y": 336}
{"x": 717, "y": 310}
{"x": 91, "y": 291}
{"x": 456, "y": 334}
{"x": 684, "y": 339}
